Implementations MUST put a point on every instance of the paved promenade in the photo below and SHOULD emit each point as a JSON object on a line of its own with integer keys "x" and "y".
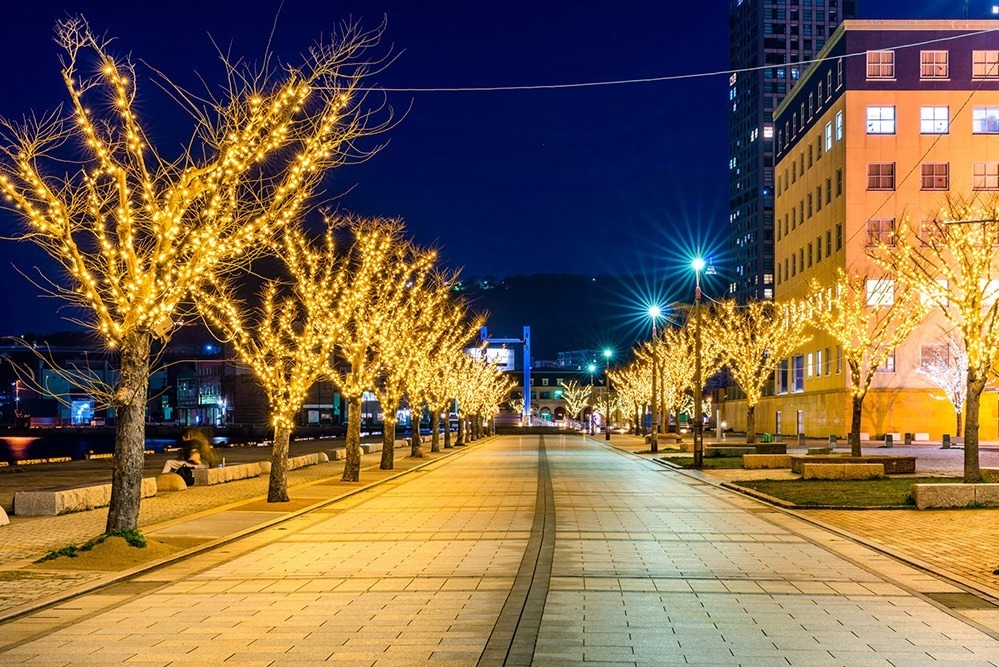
{"x": 522, "y": 550}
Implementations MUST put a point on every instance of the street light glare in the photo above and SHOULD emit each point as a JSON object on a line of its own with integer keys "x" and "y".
{"x": 655, "y": 311}
{"x": 697, "y": 264}
{"x": 592, "y": 368}
{"x": 608, "y": 353}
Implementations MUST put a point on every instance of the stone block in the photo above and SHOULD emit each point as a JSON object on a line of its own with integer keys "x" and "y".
{"x": 371, "y": 447}
{"x": 864, "y": 435}
{"x": 987, "y": 495}
{"x": 990, "y": 474}
{"x": 755, "y": 461}
{"x": 170, "y": 481}
{"x": 265, "y": 467}
{"x": 729, "y": 451}
{"x": 819, "y": 450}
{"x": 296, "y": 462}
{"x": 771, "y": 448}
{"x": 4, "y": 519}
{"x": 213, "y": 476}
{"x": 337, "y": 454}
{"x": 921, "y": 437}
{"x": 64, "y": 501}
{"x": 941, "y": 496}
{"x": 842, "y": 471}
{"x": 399, "y": 444}
{"x": 323, "y": 457}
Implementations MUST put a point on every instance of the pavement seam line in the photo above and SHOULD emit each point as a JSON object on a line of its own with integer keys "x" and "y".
{"x": 515, "y": 632}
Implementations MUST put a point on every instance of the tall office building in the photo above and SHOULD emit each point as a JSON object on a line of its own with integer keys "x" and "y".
{"x": 773, "y": 35}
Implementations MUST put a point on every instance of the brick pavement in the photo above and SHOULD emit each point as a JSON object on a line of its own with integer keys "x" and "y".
{"x": 648, "y": 567}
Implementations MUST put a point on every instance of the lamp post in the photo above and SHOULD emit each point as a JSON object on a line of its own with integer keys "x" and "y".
{"x": 608, "y": 353}
{"x": 698, "y": 266}
{"x": 591, "y": 369}
{"x": 654, "y": 313}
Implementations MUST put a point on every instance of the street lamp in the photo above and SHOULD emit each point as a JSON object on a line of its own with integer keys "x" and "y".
{"x": 655, "y": 312}
{"x": 608, "y": 353}
{"x": 591, "y": 369}
{"x": 698, "y": 265}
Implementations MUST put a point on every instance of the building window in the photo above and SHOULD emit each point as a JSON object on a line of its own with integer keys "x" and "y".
{"x": 932, "y": 233}
{"x": 798, "y": 373}
{"x": 810, "y": 255}
{"x": 818, "y": 363}
{"x": 839, "y": 125}
{"x": 828, "y": 243}
{"x": 811, "y": 152}
{"x": 880, "y": 64}
{"x": 828, "y": 136}
{"x": 811, "y": 105}
{"x": 880, "y": 175}
{"x": 839, "y": 182}
{"x": 880, "y": 292}
{"x": 828, "y": 191}
{"x": 782, "y": 377}
{"x": 933, "y": 65}
{"x": 880, "y": 231}
{"x": 934, "y": 355}
{"x": 880, "y": 120}
{"x": 818, "y": 96}
{"x": 888, "y": 365}
{"x": 818, "y": 249}
{"x": 810, "y": 365}
{"x": 934, "y": 120}
{"x": 985, "y": 120}
{"x": 809, "y": 204}
{"x": 985, "y": 176}
{"x": 818, "y": 198}
{"x": 829, "y": 84}
{"x": 828, "y": 362}
{"x": 839, "y": 237}
{"x": 544, "y": 382}
{"x": 985, "y": 64}
{"x": 839, "y": 73}
{"x": 935, "y": 175}
{"x": 839, "y": 359}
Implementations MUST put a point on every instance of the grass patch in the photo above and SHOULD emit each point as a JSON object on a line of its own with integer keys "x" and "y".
{"x": 709, "y": 461}
{"x": 133, "y": 538}
{"x": 887, "y": 492}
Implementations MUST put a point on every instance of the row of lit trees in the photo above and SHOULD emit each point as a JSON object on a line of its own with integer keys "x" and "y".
{"x": 945, "y": 265}
{"x": 148, "y": 240}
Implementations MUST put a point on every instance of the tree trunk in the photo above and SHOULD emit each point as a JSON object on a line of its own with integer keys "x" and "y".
{"x": 352, "y": 463}
{"x": 130, "y": 434}
{"x": 460, "y": 440}
{"x": 858, "y": 411}
{"x": 388, "y": 437}
{"x": 277, "y": 488}
{"x": 416, "y": 440}
{"x": 750, "y": 424}
{"x": 435, "y": 436}
{"x": 973, "y": 404}
{"x": 958, "y": 430}
{"x": 447, "y": 430}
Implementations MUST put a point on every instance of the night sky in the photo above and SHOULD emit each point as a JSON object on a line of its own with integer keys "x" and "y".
{"x": 616, "y": 179}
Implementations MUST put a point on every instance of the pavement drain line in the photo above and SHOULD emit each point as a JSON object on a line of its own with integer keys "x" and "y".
{"x": 952, "y": 604}
{"x": 515, "y": 633}
{"x": 123, "y": 577}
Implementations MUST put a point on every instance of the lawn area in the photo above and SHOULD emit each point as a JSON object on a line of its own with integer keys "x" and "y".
{"x": 709, "y": 461}
{"x": 843, "y": 493}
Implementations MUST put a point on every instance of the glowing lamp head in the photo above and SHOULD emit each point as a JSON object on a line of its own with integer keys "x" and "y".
{"x": 608, "y": 353}
{"x": 592, "y": 368}
{"x": 697, "y": 264}
{"x": 655, "y": 312}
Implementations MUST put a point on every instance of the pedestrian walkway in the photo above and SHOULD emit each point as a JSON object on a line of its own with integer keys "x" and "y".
{"x": 525, "y": 550}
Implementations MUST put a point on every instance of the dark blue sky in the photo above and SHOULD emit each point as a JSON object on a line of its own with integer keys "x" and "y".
{"x": 617, "y": 179}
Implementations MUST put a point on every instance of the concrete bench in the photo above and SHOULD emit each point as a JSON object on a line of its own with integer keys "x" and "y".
{"x": 213, "y": 476}
{"x": 721, "y": 450}
{"x": 771, "y": 448}
{"x": 399, "y": 444}
{"x": 893, "y": 465}
{"x": 921, "y": 437}
{"x": 756, "y": 461}
{"x": 371, "y": 447}
{"x": 895, "y": 437}
{"x": 943, "y": 496}
{"x": 63, "y": 501}
{"x": 842, "y": 471}
{"x": 337, "y": 454}
{"x": 296, "y": 462}
{"x": 864, "y": 436}
{"x": 4, "y": 519}
{"x": 990, "y": 475}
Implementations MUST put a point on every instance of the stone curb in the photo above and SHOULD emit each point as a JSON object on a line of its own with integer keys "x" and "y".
{"x": 116, "y": 577}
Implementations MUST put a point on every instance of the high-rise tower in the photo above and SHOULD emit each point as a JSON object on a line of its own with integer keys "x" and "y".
{"x": 769, "y": 38}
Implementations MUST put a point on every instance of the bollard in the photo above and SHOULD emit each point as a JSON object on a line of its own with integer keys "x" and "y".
{"x": 778, "y": 438}
{"x": 801, "y": 439}
{"x": 888, "y": 441}
{"x": 946, "y": 441}
{"x": 832, "y": 442}
{"x": 908, "y": 439}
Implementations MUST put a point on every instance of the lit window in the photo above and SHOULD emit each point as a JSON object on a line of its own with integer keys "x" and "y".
{"x": 880, "y": 120}
{"x": 985, "y": 64}
{"x": 880, "y": 175}
{"x": 880, "y": 292}
{"x": 888, "y": 365}
{"x": 880, "y": 64}
{"x": 829, "y": 137}
{"x": 985, "y": 120}
{"x": 839, "y": 125}
{"x": 985, "y": 176}
{"x": 933, "y": 65}
{"x": 880, "y": 231}
{"x": 934, "y": 356}
{"x": 810, "y": 365}
{"x": 934, "y": 120}
{"x": 935, "y": 175}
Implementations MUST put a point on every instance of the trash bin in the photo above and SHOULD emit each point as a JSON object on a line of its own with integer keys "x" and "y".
{"x": 767, "y": 438}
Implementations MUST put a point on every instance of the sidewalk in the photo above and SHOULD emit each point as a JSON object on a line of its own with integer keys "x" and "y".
{"x": 961, "y": 545}
{"x": 199, "y": 515}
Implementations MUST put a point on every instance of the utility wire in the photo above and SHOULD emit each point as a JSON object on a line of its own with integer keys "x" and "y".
{"x": 670, "y": 77}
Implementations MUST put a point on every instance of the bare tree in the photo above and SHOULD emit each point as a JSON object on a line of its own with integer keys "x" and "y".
{"x": 949, "y": 371}
{"x": 136, "y": 231}
{"x": 868, "y": 316}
